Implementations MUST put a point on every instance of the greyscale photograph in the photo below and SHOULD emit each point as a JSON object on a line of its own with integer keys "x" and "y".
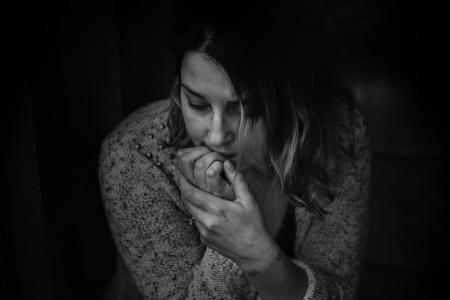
{"x": 270, "y": 150}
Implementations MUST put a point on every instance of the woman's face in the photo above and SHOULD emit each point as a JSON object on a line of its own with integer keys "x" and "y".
{"x": 212, "y": 113}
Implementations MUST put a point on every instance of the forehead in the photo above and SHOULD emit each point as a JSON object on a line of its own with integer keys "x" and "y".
{"x": 205, "y": 76}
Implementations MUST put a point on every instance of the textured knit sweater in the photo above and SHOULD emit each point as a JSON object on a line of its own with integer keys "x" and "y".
{"x": 162, "y": 252}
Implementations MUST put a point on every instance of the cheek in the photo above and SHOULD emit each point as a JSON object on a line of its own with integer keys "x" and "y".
{"x": 254, "y": 142}
{"x": 259, "y": 142}
{"x": 196, "y": 127}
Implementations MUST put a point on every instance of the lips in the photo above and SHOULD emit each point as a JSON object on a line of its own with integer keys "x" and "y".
{"x": 228, "y": 155}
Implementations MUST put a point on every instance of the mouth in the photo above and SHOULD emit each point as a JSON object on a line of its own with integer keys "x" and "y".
{"x": 229, "y": 155}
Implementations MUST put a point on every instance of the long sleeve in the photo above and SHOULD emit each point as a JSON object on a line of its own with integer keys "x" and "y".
{"x": 152, "y": 234}
{"x": 331, "y": 249}
{"x": 161, "y": 251}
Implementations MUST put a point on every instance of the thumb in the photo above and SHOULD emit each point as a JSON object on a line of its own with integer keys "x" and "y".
{"x": 237, "y": 181}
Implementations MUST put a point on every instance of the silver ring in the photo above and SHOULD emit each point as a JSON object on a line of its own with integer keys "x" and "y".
{"x": 191, "y": 221}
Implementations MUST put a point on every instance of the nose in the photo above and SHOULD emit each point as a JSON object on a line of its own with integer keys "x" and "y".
{"x": 220, "y": 133}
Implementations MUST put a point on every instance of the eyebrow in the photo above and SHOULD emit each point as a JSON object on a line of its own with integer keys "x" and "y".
{"x": 190, "y": 90}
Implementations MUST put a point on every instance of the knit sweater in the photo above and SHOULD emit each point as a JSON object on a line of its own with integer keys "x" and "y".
{"x": 162, "y": 251}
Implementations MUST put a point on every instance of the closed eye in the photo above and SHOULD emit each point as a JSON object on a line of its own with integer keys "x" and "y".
{"x": 198, "y": 106}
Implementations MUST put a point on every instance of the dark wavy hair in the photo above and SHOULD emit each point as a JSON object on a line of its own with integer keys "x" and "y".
{"x": 279, "y": 66}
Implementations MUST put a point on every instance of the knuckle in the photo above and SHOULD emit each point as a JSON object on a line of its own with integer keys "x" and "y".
{"x": 188, "y": 193}
{"x": 210, "y": 173}
{"x": 204, "y": 240}
{"x": 180, "y": 153}
{"x": 216, "y": 211}
{"x": 199, "y": 164}
{"x": 184, "y": 159}
{"x": 209, "y": 225}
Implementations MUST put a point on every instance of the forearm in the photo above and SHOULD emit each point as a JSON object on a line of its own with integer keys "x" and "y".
{"x": 278, "y": 277}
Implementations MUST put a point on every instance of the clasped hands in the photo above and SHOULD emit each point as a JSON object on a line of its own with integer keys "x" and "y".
{"x": 227, "y": 216}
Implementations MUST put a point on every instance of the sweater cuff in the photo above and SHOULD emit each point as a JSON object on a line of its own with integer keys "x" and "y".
{"x": 313, "y": 290}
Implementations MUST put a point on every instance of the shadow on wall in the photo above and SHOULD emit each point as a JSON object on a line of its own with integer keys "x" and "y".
{"x": 407, "y": 181}
{"x": 387, "y": 62}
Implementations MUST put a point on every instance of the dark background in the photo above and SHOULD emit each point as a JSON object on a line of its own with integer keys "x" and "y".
{"x": 75, "y": 69}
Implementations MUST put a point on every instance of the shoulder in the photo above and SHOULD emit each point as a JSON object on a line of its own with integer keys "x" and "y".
{"x": 351, "y": 177}
{"x": 354, "y": 136}
{"x": 150, "y": 118}
{"x": 139, "y": 142}
{"x": 336, "y": 242}
{"x": 351, "y": 184}
{"x": 354, "y": 143}
{"x": 360, "y": 156}
{"x": 360, "y": 135}
{"x": 135, "y": 157}
{"x": 145, "y": 123}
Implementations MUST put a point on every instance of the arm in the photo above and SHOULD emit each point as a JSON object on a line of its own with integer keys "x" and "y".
{"x": 152, "y": 234}
{"x": 161, "y": 251}
{"x": 166, "y": 258}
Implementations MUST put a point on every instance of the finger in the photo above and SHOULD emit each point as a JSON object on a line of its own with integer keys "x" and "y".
{"x": 202, "y": 165}
{"x": 199, "y": 198}
{"x": 228, "y": 192}
{"x": 186, "y": 159}
{"x": 198, "y": 214}
{"x": 217, "y": 184}
{"x": 237, "y": 181}
{"x": 201, "y": 229}
{"x": 214, "y": 182}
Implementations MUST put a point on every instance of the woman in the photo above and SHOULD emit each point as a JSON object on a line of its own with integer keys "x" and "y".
{"x": 252, "y": 179}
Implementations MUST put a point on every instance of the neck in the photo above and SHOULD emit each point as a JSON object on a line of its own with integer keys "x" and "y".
{"x": 272, "y": 201}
